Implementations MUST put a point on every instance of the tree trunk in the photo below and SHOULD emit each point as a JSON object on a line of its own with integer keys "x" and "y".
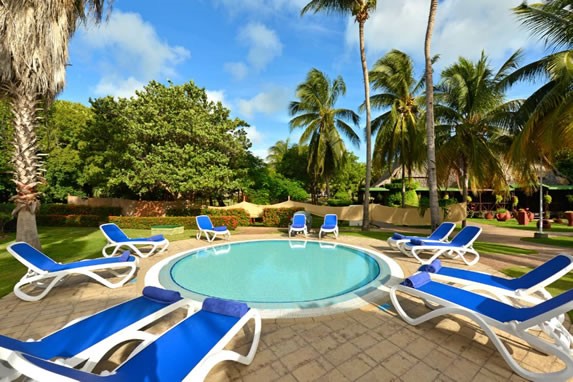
{"x": 465, "y": 184}
{"x": 430, "y": 134}
{"x": 403, "y": 167}
{"x": 366, "y": 209}
{"x": 27, "y": 164}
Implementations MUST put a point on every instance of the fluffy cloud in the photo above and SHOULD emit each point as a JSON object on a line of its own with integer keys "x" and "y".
{"x": 463, "y": 28}
{"x": 269, "y": 102}
{"x": 128, "y": 44}
{"x": 118, "y": 87}
{"x": 237, "y": 69}
{"x": 264, "y": 44}
{"x": 216, "y": 95}
{"x": 255, "y": 136}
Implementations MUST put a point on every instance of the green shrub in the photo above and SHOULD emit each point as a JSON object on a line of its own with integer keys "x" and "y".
{"x": 411, "y": 198}
{"x": 71, "y": 209}
{"x": 186, "y": 221}
{"x": 395, "y": 199}
{"x": 183, "y": 211}
{"x": 71, "y": 220}
{"x": 243, "y": 218}
{"x": 279, "y": 217}
{"x": 339, "y": 202}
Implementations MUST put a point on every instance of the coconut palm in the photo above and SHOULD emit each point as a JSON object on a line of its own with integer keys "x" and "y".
{"x": 315, "y": 112}
{"x": 473, "y": 120}
{"x": 360, "y": 10}
{"x": 430, "y": 131}
{"x": 33, "y": 59}
{"x": 277, "y": 152}
{"x": 398, "y": 133}
{"x": 548, "y": 112}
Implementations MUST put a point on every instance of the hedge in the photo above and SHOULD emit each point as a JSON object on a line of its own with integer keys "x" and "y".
{"x": 186, "y": 221}
{"x": 279, "y": 217}
{"x": 242, "y": 217}
{"x": 72, "y": 209}
{"x": 71, "y": 220}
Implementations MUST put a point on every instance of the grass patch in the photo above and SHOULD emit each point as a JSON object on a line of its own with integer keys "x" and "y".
{"x": 532, "y": 226}
{"x": 558, "y": 241}
{"x": 62, "y": 244}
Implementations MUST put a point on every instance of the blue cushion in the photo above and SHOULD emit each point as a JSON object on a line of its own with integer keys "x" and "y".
{"x": 220, "y": 229}
{"x": 398, "y": 236}
{"x": 417, "y": 280}
{"x": 417, "y": 242}
{"x": 124, "y": 256}
{"x": 161, "y": 295}
{"x": 225, "y": 307}
{"x": 159, "y": 237}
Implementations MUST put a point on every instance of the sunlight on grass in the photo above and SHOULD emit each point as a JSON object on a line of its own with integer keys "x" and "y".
{"x": 558, "y": 241}
{"x": 532, "y": 226}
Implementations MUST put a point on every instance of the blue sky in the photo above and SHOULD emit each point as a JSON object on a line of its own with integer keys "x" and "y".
{"x": 251, "y": 54}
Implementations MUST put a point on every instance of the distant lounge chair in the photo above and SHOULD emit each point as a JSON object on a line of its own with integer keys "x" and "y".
{"x": 298, "y": 225}
{"x": 185, "y": 352}
{"x": 88, "y": 339}
{"x": 330, "y": 225}
{"x": 489, "y": 314}
{"x": 44, "y": 273}
{"x": 530, "y": 287}
{"x": 440, "y": 234}
{"x": 205, "y": 226}
{"x": 117, "y": 239}
{"x": 460, "y": 246}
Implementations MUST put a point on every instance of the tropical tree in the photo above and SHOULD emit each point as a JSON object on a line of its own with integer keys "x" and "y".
{"x": 473, "y": 121}
{"x": 399, "y": 136}
{"x": 315, "y": 112}
{"x": 33, "y": 59}
{"x": 430, "y": 132}
{"x": 277, "y": 152}
{"x": 360, "y": 10}
{"x": 548, "y": 112}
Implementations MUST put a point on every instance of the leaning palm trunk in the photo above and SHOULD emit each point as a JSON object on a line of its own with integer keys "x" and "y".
{"x": 430, "y": 134}
{"x": 26, "y": 166}
{"x": 366, "y": 209}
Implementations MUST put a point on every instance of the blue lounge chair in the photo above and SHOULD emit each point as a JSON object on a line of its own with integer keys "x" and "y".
{"x": 205, "y": 226}
{"x": 298, "y": 225}
{"x": 440, "y": 234}
{"x": 530, "y": 287}
{"x": 460, "y": 245}
{"x": 89, "y": 339}
{"x": 186, "y": 352}
{"x": 330, "y": 225}
{"x": 44, "y": 273}
{"x": 141, "y": 246}
{"x": 489, "y": 314}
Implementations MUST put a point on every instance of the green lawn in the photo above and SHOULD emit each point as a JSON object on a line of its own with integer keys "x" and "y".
{"x": 63, "y": 244}
{"x": 559, "y": 241}
{"x": 532, "y": 226}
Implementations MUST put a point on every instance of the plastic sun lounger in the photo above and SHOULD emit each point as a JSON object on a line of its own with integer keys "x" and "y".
{"x": 117, "y": 239}
{"x": 44, "y": 273}
{"x": 330, "y": 225}
{"x": 460, "y": 246}
{"x": 440, "y": 234}
{"x": 88, "y": 339}
{"x": 205, "y": 226}
{"x": 298, "y": 225}
{"x": 186, "y": 352}
{"x": 489, "y": 314}
{"x": 530, "y": 287}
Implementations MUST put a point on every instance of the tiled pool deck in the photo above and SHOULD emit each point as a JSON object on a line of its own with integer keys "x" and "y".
{"x": 368, "y": 344}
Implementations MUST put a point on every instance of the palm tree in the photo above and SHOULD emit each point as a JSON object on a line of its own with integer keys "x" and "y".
{"x": 430, "y": 132}
{"x": 548, "y": 112}
{"x": 277, "y": 152}
{"x": 398, "y": 134}
{"x": 33, "y": 59}
{"x": 315, "y": 111}
{"x": 360, "y": 9}
{"x": 473, "y": 121}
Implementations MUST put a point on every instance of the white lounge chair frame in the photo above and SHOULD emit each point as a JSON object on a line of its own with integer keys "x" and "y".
{"x": 400, "y": 243}
{"x": 296, "y": 230}
{"x": 47, "y": 280}
{"x": 547, "y": 322}
{"x": 226, "y": 234}
{"x": 324, "y": 231}
{"x": 135, "y": 246}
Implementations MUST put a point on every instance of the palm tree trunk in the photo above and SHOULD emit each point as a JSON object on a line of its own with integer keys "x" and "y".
{"x": 366, "y": 214}
{"x": 430, "y": 134}
{"x": 26, "y": 166}
{"x": 403, "y": 167}
{"x": 465, "y": 184}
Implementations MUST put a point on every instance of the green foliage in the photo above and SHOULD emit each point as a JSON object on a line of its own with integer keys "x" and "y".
{"x": 395, "y": 199}
{"x": 564, "y": 162}
{"x": 279, "y": 217}
{"x": 501, "y": 211}
{"x": 183, "y": 211}
{"x": 268, "y": 187}
{"x": 498, "y": 199}
{"x": 569, "y": 199}
{"x": 71, "y": 209}
{"x": 240, "y": 214}
{"x": 411, "y": 199}
{"x": 396, "y": 185}
{"x": 336, "y": 202}
{"x": 293, "y": 165}
{"x": 6, "y": 134}
{"x": 348, "y": 178}
{"x": 514, "y": 201}
{"x": 188, "y": 222}
{"x": 547, "y": 199}
{"x": 71, "y": 220}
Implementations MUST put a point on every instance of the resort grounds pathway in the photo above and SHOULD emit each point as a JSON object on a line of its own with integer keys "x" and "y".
{"x": 367, "y": 344}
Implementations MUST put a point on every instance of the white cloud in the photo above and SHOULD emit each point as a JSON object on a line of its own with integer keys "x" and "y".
{"x": 128, "y": 44}
{"x": 269, "y": 102}
{"x": 260, "y": 152}
{"x": 264, "y": 44}
{"x": 261, "y": 7}
{"x": 462, "y": 28}
{"x": 237, "y": 69}
{"x": 255, "y": 136}
{"x": 124, "y": 88}
{"x": 216, "y": 95}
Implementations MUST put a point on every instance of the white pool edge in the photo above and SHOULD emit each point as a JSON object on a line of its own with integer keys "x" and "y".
{"x": 378, "y": 295}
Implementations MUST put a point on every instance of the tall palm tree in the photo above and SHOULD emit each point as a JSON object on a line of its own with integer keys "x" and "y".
{"x": 277, "y": 152}
{"x": 315, "y": 112}
{"x": 473, "y": 121}
{"x": 360, "y": 10}
{"x": 548, "y": 112}
{"x": 398, "y": 134}
{"x": 33, "y": 58}
{"x": 430, "y": 132}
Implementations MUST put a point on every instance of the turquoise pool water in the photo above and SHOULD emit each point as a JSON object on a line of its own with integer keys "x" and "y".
{"x": 275, "y": 273}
